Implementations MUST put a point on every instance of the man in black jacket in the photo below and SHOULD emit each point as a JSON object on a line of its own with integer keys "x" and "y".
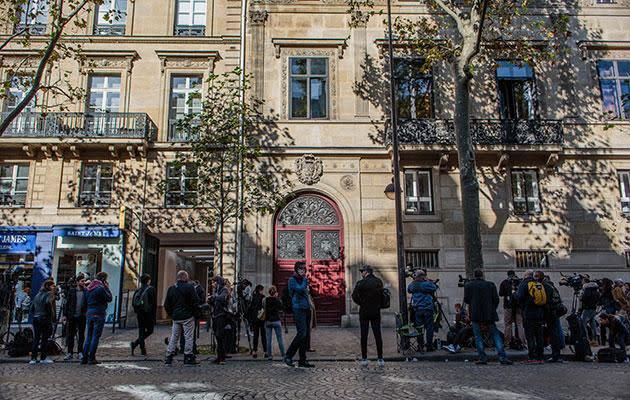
{"x": 219, "y": 300}
{"x": 43, "y": 315}
{"x": 368, "y": 294}
{"x": 144, "y": 304}
{"x": 512, "y": 316}
{"x": 73, "y": 314}
{"x": 483, "y": 299}
{"x": 181, "y": 304}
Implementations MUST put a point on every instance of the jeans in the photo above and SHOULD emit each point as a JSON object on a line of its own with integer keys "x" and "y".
{"x": 218, "y": 325}
{"x": 496, "y": 337}
{"x": 378, "y": 338}
{"x": 535, "y": 340}
{"x": 146, "y": 324}
{"x": 95, "y": 324}
{"x": 259, "y": 331}
{"x": 76, "y": 326}
{"x": 425, "y": 318}
{"x": 42, "y": 329}
{"x": 555, "y": 333}
{"x": 277, "y": 327}
{"x": 188, "y": 325}
{"x": 299, "y": 343}
{"x": 589, "y": 320}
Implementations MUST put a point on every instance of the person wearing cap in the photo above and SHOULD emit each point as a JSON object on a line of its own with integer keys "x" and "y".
{"x": 299, "y": 292}
{"x": 512, "y": 316}
{"x": 368, "y": 294}
{"x": 620, "y": 297}
{"x": 422, "y": 290}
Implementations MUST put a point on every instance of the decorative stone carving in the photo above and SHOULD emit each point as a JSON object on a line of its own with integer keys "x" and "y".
{"x": 308, "y": 210}
{"x": 258, "y": 17}
{"x": 309, "y": 169}
{"x": 347, "y": 183}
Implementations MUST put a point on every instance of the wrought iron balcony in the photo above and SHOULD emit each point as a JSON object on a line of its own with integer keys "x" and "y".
{"x": 179, "y": 132}
{"x": 33, "y": 29}
{"x": 483, "y": 131}
{"x": 109, "y": 30}
{"x": 190, "y": 30}
{"x": 115, "y": 125}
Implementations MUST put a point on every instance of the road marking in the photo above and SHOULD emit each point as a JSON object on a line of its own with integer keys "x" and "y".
{"x": 123, "y": 366}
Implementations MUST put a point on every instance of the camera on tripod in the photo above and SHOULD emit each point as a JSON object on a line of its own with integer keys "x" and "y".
{"x": 462, "y": 281}
{"x": 575, "y": 281}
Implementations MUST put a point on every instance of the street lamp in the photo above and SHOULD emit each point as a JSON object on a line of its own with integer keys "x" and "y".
{"x": 390, "y": 190}
{"x": 400, "y": 251}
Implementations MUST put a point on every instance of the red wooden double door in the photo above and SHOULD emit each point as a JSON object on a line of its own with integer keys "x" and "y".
{"x": 310, "y": 229}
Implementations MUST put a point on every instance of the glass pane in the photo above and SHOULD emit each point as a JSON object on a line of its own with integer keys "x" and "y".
{"x": 173, "y": 170}
{"x": 516, "y": 185}
{"x": 520, "y": 207}
{"x": 97, "y": 82}
{"x": 178, "y": 103}
{"x": 410, "y": 187}
{"x": 510, "y": 70}
{"x": 22, "y": 171}
{"x": 403, "y": 94}
{"x": 173, "y": 185}
{"x": 625, "y": 184}
{"x": 21, "y": 185}
{"x": 291, "y": 245}
{"x": 195, "y": 82}
{"x": 298, "y": 66}
{"x": 411, "y": 207}
{"x": 113, "y": 82}
{"x": 89, "y": 170}
{"x": 106, "y": 170}
{"x": 319, "y": 108}
{"x": 609, "y": 97}
{"x": 425, "y": 206}
{"x": 89, "y": 185}
{"x": 6, "y": 171}
{"x": 173, "y": 199}
{"x": 625, "y": 206}
{"x": 190, "y": 185}
{"x": 606, "y": 69}
{"x": 625, "y": 98}
{"x": 298, "y": 98}
{"x": 623, "y": 67}
{"x": 190, "y": 198}
{"x": 19, "y": 199}
{"x": 178, "y": 82}
{"x": 191, "y": 170}
{"x": 424, "y": 186}
{"x": 113, "y": 102}
{"x": 106, "y": 185}
{"x": 319, "y": 66}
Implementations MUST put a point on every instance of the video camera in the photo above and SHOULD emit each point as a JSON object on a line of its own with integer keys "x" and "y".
{"x": 462, "y": 281}
{"x": 575, "y": 281}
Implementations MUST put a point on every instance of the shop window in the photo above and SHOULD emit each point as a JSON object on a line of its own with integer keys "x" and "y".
{"x": 532, "y": 259}
{"x": 96, "y": 185}
{"x": 517, "y": 90}
{"x": 111, "y": 18}
{"x": 308, "y": 88}
{"x": 422, "y": 259}
{"x": 21, "y": 276}
{"x": 624, "y": 189}
{"x": 418, "y": 192}
{"x": 13, "y": 184}
{"x": 414, "y": 89}
{"x": 185, "y": 99}
{"x": 181, "y": 185}
{"x": 614, "y": 83}
{"x": 525, "y": 193}
{"x": 191, "y": 18}
{"x": 33, "y": 16}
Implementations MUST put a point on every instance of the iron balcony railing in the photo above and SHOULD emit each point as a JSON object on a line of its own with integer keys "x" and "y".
{"x": 180, "y": 131}
{"x": 109, "y": 30}
{"x": 483, "y": 131}
{"x": 190, "y": 30}
{"x": 82, "y": 125}
{"x": 33, "y": 29}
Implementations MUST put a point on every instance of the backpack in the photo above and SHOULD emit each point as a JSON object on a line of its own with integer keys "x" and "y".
{"x": 537, "y": 292}
{"x": 21, "y": 344}
{"x": 287, "y": 302}
{"x": 385, "y": 298}
{"x": 141, "y": 301}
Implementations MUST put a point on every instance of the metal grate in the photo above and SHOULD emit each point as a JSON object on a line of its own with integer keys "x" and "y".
{"x": 422, "y": 258}
{"x": 532, "y": 259}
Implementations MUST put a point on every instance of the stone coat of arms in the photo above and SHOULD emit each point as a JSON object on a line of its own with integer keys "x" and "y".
{"x": 309, "y": 169}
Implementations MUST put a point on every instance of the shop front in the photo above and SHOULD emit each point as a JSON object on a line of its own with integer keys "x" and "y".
{"x": 88, "y": 250}
{"x": 25, "y": 257}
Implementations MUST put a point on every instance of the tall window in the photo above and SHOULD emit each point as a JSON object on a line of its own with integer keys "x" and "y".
{"x": 517, "y": 90}
{"x": 418, "y": 192}
{"x": 104, "y": 93}
{"x": 181, "y": 185}
{"x": 96, "y": 185}
{"x": 414, "y": 89}
{"x": 309, "y": 87}
{"x": 614, "y": 82}
{"x": 25, "y": 122}
{"x": 525, "y": 193}
{"x": 111, "y": 18}
{"x": 191, "y": 18}
{"x": 13, "y": 184}
{"x": 185, "y": 100}
{"x": 624, "y": 189}
{"x": 33, "y": 16}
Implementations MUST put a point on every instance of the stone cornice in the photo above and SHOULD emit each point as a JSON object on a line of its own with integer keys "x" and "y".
{"x": 339, "y": 43}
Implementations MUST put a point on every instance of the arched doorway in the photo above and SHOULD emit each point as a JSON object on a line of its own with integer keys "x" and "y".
{"x": 310, "y": 229}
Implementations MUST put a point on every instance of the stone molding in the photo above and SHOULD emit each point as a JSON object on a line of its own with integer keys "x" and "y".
{"x": 200, "y": 59}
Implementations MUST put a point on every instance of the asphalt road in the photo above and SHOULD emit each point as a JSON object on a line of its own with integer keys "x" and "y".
{"x": 329, "y": 380}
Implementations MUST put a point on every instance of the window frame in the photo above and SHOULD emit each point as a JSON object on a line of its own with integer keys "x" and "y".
{"x": 190, "y": 29}
{"x": 624, "y": 192}
{"x": 188, "y": 91}
{"x": 106, "y": 90}
{"x": 182, "y": 192}
{"x": 112, "y": 27}
{"x": 97, "y": 193}
{"x": 617, "y": 79}
{"x": 40, "y": 22}
{"x": 503, "y": 111}
{"x": 527, "y": 212}
{"x": 308, "y": 76}
{"x": 410, "y": 77}
{"x": 13, "y": 181}
{"x": 431, "y": 199}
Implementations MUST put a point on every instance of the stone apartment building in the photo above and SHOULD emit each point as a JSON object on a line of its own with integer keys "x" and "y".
{"x": 554, "y": 169}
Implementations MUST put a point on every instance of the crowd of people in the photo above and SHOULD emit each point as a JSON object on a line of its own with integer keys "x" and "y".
{"x": 532, "y": 312}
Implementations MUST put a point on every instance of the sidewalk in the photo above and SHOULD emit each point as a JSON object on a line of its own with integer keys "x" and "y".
{"x": 330, "y": 344}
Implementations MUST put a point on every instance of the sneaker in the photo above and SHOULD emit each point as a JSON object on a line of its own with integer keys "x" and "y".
{"x": 190, "y": 360}
{"x": 505, "y": 361}
{"x": 363, "y": 362}
{"x": 168, "y": 360}
{"x": 381, "y": 363}
{"x": 47, "y": 361}
{"x": 68, "y": 357}
{"x": 450, "y": 348}
{"x": 305, "y": 364}
{"x": 33, "y": 362}
{"x": 555, "y": 360}
{"x": 133, "y": 348}
{"x": 80, "y": 356}
{"x": 289, "y": 362}
{"x": 255, "y": 355}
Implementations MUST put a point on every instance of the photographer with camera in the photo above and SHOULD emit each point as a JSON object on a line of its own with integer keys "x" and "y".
{"x": 532, "y": 296}
{"x": 422, "y": 290}
{"x": 589, "y": 298}
{"x": 483, "y": 299}
{"x": 512, "y": 316}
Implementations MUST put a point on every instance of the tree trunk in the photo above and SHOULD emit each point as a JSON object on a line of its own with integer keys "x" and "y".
{"x": 473, "y": 257}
